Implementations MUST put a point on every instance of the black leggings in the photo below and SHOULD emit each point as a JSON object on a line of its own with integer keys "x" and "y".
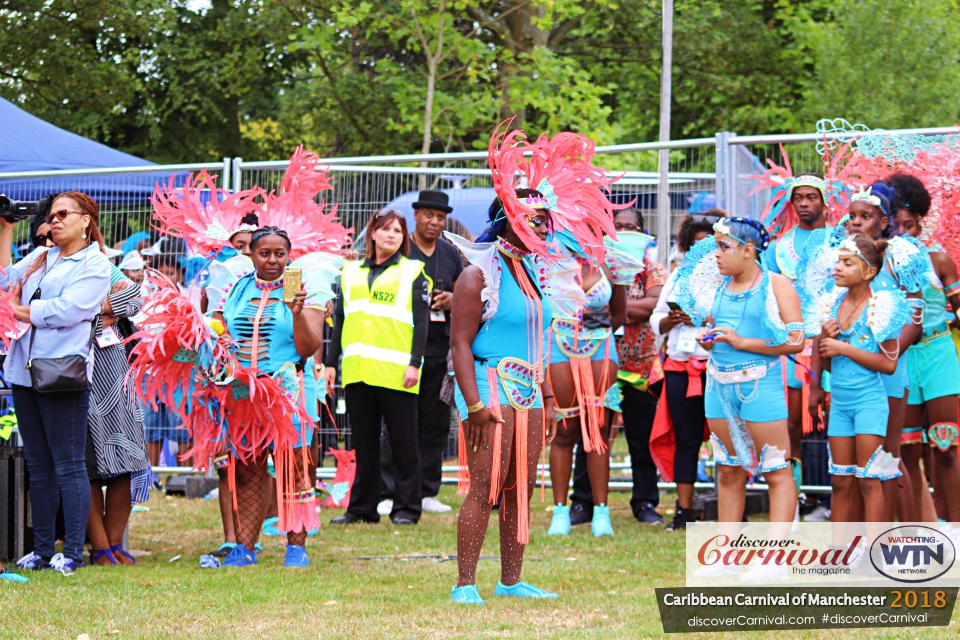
{"x": 688, "y": 417}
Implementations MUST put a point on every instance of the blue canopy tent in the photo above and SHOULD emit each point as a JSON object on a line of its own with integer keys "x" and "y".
{"x": 31, "y": 144}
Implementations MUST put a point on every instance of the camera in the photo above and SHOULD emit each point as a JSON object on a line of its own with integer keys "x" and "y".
{"x": 17, "y": 210}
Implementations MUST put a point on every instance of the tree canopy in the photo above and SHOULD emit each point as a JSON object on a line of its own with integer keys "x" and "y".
{"x": 195, "y": 80}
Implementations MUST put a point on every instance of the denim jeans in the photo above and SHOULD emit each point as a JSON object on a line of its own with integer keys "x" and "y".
{"x": 54, "y": 433}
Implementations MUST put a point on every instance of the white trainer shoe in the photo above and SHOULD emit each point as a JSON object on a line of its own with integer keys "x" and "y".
{"x": 432, "y": 505}
{"x": 766, "y": 573}
{"x": 385, "y": 507}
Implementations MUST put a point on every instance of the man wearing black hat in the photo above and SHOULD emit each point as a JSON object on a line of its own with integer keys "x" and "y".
{"x": 444, "y": 266}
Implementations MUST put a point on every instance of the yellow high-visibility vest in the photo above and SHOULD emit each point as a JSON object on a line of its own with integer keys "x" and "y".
{"x": 378, "y": 324}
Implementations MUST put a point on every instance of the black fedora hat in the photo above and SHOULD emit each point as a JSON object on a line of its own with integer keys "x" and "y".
{"x": 432, "y": 199}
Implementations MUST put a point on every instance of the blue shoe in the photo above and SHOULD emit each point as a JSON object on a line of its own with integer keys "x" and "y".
{"x": 12, "y": 577}
{"x": 467, "y": 594}
{"x": 257, "y": 548}
{"x": 522, "y": 590}
{"x": 63, "y": 564}
{"x": 296, "y": 557}
{"x": 33, "y": 562}
{"x": 270, "y": 527}
{"x": 240, "y": 557}
{"x": 560, "y": 525}
{"x": 224, "y": 550}
{"x": 601, "y": 525}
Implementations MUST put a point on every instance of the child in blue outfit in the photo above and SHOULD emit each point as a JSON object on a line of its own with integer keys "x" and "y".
{"x": 858, "y": 343}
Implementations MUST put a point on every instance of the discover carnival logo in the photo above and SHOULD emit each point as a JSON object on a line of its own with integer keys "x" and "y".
{"x": 913, "y": 554}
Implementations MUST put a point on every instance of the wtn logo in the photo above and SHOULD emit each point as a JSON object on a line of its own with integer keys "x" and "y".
{"x": 913, "y": 554}
{"x": 922, "y": 554}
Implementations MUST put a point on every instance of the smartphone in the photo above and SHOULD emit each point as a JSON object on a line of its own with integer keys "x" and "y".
{"x": 291, "y": 283}
{"x": 674, "y": 306}
{"x": 436, "y": 315}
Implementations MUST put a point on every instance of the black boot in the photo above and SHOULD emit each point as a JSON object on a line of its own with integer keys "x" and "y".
{"x": 681, "y": 517}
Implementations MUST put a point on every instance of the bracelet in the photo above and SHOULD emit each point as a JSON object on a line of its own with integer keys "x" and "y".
{"x": 475, "y": 407}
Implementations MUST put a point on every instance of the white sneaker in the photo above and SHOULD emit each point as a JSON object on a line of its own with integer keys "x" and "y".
{"x": 432, "y": 505}
{"x": 765, "y": 573}
{"x": 796, "y": 521}
{"x": 820, "y": 514}
{"x": 385, "y": 507}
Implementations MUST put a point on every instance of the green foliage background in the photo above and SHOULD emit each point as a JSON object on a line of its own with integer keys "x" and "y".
{"x": 188, "y": 80}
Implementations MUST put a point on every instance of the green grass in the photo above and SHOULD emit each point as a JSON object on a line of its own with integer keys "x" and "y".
{"x": 606, "y": 586}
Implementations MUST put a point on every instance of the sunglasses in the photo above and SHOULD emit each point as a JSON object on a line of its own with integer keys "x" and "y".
{"x": 59, "y": 215}
{"x": 627, "y": 227}
{"x": 41, "y": 240}
{"x": 700, "y": 217}
{"x": 384, "y": 212}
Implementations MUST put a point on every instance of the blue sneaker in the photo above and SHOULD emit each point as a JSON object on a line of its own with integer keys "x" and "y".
{"x": 601, "y": 525}
{"x": 467, "y": 594}
{"x": 296, "y": 557}
{"x": 257, "y": 548}
{"x": 560, "y": 525}
{"x": 63, "y": 564}
{"x": 270, "y": 527}
{"x": 240, "y": 557}
{"x": 33, "y": 562}
{"x": 12, "y": 577}
{"x": 522, "y": 590}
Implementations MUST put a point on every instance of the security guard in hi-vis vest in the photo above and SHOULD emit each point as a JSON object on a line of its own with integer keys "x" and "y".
{"x": 382, "y": 318}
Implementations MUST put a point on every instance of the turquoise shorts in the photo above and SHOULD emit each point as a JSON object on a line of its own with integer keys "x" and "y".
{"x": 933, "y": 369}
{"x": 896, "y": 382}
{"x": 865, "y": 412}
{"x": 763, "y": 400}
{"x": 530, "y": 395}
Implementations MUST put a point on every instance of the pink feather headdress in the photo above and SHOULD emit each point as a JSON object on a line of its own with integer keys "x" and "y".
{"x": 205, "y": 222}
{"x": 559, "y": 168}
{"x": 294, "y": 208}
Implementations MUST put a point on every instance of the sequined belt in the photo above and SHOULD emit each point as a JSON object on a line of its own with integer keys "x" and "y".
{"x": 577, "y": 342}
{"x": 740, "y": 372}
{"x": 521, "y": 380}
{"x": 931, "y": 333}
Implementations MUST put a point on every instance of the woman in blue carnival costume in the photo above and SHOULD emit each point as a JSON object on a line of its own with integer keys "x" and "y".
{"x": 933, "y": 369}
{"x": 503, "y": 306}
{"x": 858, "y": 343}
{"x": 252, "y": 393}
{"x": 583, "y": 372}
{"x": 753, "y": 319}
{"x": 906, "y": 266}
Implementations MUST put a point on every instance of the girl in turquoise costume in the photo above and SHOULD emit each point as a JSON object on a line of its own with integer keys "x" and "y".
{"x": 934, "y": 371}
{"x": 858, "y": 343}
{"x": 502, "y": 309}
{"x": 753, "y": 318}
{"x": 906, "y": 267}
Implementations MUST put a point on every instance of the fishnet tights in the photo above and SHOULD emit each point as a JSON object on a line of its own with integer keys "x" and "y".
{"x": 248, "y": 516}
{"x": 252, "y": 498}
{"x": 475, "y": 511}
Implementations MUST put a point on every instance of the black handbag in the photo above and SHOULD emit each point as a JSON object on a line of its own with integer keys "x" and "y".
{"x": 58, "y": 375}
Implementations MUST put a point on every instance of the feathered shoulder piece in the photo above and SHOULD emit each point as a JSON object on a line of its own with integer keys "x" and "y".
{"x": 201, "y": 213}
{"x": 887, "y": 312}
{"x": 698, "y": 280}
{"x": 222, "y": 278}
{"x": 484, "y": 256}
{"x": 561, "y": 169}
{"x": 779, "y": 215}
{"x": 911, "y": 262}
{"x": 627, "y": 255}
{"x": 295, "y": 209}
{"x": 814, "y": 283}
{"x": 559, "y": 279}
